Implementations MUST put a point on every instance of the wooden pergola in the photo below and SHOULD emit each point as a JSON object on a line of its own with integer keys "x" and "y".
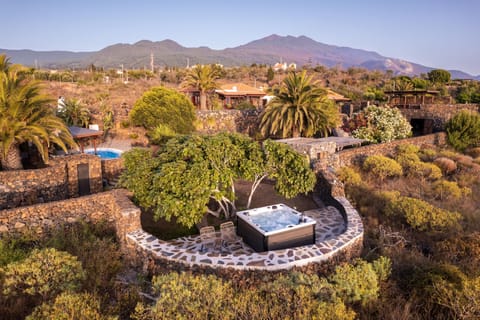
{"x": 85, "y": 136}
{"x": 407, "y": 98}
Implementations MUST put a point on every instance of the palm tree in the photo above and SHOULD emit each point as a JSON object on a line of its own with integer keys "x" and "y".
{"x": 26, "y": 117}
{"x": 74, "y": 113}
{"x": 301, "y": 108}
{"x": 202, "y": 78}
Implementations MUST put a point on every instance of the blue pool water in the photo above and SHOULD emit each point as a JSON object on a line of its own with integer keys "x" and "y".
{"x": 106, "y": 154}
{"x": 275, "y": 220}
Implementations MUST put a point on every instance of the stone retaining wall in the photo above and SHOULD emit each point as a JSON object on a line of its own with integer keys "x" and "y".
{"x": 215, "y": 121}
{"x": 153, "y": 265}
{"x": 58, "y": 181}
{"x": 439, "y": 113}
{"x": 111, "y": 169}
{"x": 113, "y": 207}
{"x": 357, "y": 155}
{"x": 26, "y": 187}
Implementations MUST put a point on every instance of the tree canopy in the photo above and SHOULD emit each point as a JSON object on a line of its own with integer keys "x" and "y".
{"x": 164, "y": 108}
{"x": 439, "y": 76}
{"x": 384, "y": 124}
{"x": 202, "y": 78}
{"x": 193, "y": 175}
{"x": 463, "y": 130}
{"x": 301, "y": 108}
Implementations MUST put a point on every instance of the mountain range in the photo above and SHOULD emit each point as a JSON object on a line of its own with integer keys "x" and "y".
{"x": 269, "y": 50}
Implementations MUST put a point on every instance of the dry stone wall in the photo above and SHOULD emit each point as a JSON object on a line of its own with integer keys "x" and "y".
{"x": 113, "y": 207}
{"x": 439, "y": 113}
{"x": 357, "y": 155}
{"x": 215, "y": 121}
{"x": 26, "y": 187}
{"x": 111, "y": 169}
{"x": 56, "y": 182}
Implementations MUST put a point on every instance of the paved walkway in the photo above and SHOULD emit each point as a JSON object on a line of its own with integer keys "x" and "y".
{"x": 332, "y": 234}
{"x": 120, "y": 144}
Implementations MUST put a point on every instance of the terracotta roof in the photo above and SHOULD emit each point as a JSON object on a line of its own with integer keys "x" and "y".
{"x": 337, "y": 97}
{"x": 413, "y": 92}
{"x": 239, "y": 89}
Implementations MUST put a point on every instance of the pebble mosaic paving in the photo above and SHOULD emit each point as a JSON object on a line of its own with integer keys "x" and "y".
{"x": 332, "y": 235}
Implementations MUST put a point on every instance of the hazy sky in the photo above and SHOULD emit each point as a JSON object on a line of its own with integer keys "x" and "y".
{"x": 435, "y": 33}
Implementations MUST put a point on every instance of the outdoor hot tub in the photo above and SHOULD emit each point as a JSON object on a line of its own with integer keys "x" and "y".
{"x": 275, "y": 227}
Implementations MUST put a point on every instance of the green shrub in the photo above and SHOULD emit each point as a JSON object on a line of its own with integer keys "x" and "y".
{"x": 419, "y": 169}
{"x": 95, "y": 247}
{"x": 161, "y": 134}
{"x": 382, "y": 267}
{"x": 449, "y": 190}
{"x": 427, "y": 154}
{"x": 423, "y": 216}
{"x": 192, "y": 297}
{"x": 463, "y": 130}
{"x": 422, "y": 280}
{"x": 448, "y": 154}
{"x": 162, "y": 106}
{"x": 408, "y": 161}
{"x": 408, "y": 148}
{"x": 463, "y": 250}
{"x": 428, "y": 171}
{"x": 412, "y": 165}
{"x": 335, "y": 310}
{"x": 384, "y": 198}
{"x": 124, "y": 124}
{"x": 356, "y": 283}
{"x": 349, "y": 176}
{"x": 245, "y": 105}
{"x": 43, "y": 273}
{"x": 70, "y": 306}
{"x": 11, "y": 251}
{"x": 293, "y": 296}
{"x": 133, "y": 136}
{"x": 382, "y": 167}
{"x": 461, "y": 301}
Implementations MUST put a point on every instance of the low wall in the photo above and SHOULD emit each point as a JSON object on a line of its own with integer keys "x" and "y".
{"x": 113, "y": 207}
{"x": 26, "y": 187}
{"x": 154, "y": 265}
{"x": 56, "y": 182}
{"x": 215, "y": 121}
{"x": 111, "y": 169}
{"x": 357, "y": 155}
{"x": 439, "y": 113}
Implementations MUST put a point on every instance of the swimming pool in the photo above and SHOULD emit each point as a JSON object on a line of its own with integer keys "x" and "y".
{"x": 106, "y": 153}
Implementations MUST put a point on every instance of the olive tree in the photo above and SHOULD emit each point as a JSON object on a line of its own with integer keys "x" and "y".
{"x": 193, "y": 175}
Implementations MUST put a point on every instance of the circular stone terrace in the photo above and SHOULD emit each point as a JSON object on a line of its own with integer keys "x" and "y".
{"x": 334, "y": 233}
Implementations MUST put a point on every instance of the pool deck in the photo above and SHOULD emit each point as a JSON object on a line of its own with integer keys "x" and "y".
{"x": 333, "y": 234}
{"x": 120, "y": 144}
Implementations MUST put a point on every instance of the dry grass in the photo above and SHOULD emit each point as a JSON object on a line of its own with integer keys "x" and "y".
{"x": 474, "y": 152}
{"x": 447, "y": 165}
